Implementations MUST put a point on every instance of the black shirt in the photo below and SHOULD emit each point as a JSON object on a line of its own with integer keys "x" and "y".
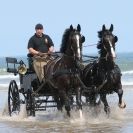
{"x": 40, "y": 44}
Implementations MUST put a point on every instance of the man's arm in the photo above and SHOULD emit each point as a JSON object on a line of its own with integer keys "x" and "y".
{"x": 51, "y": 49}
{"x": 50, "y": 44}
{"x": 31, "y": 47}
{"x": 33, "y": 51}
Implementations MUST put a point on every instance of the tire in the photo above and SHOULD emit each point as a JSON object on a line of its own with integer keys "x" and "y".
{"x": 13, "y": 98}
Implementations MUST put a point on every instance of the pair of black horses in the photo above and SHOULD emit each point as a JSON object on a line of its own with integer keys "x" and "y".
{"x": 100, "y": 77}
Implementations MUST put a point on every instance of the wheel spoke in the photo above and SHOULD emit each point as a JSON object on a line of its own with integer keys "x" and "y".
{"x": 13, "y": 98}
{"x": 11, "y": 91}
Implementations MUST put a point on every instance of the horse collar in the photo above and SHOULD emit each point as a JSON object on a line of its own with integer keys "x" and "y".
{"x": 69, "y": 56}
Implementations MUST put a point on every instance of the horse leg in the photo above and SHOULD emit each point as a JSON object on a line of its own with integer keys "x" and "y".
{"x": 78, "y": 97}
{"x": 67, "y": 106}
{"x": 119, "y": 91}
{"x": 78, "y": 100}
{"x": 106, "y": 106}
{"x": 65, "y": 101}
{"x": 92, "y": 99}
{"x": 58, "y": 102}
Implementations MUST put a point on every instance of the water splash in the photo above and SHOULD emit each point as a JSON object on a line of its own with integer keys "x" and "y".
{"x": 81, "y": 114}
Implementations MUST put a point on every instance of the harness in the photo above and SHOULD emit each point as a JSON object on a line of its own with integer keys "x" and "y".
{"x": 98, "y": 73}
{"x": 73, "y": 72}
{"x": 108, "y": 76}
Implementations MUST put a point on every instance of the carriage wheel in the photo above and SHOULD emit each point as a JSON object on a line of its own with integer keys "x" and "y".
{"x": 30, "y": 104}
{"x": 13, "y": 98}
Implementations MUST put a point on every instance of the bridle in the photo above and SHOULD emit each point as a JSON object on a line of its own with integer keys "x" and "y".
{"x": 78, "y": 43}
{"x": 111, "y": 47}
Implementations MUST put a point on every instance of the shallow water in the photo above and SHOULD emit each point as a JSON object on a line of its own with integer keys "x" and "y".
{"x": 52, "y": 121}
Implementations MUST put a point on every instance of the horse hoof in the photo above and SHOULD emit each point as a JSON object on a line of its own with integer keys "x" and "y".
{"x": 107, "y": 110}
{"x": 68, "y": 114}
{"x": 122, "y": 105}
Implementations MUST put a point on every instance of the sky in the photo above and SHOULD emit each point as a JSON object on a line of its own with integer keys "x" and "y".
{"x": 18, "y": 19}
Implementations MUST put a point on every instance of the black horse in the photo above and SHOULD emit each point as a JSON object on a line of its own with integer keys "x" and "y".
{"x": 103, "y": 75}
{"x": 63, "y": 72}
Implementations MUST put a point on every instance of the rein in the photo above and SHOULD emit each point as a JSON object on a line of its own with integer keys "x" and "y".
{"x": 89, "y": 45}
{"x": 72, "y": 57}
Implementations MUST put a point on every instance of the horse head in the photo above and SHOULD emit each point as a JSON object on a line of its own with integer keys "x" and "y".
{"x": 107, "y": 43}
{"x": 72, "y": 42}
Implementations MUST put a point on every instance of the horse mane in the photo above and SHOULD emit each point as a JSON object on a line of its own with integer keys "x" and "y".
{"x": 99, "y": 45}
{"x": 65, "y": 37}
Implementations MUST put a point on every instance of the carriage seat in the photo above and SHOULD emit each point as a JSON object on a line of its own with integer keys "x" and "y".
{"x": 30, "y": 63}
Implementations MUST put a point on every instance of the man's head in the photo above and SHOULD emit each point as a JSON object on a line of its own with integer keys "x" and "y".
{"x": 39, "y": 29}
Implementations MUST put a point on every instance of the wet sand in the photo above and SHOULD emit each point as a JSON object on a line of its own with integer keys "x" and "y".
{"x": 52, "y": 121}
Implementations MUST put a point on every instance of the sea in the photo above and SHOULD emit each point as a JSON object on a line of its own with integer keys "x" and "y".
{"x": 124, "y": 61}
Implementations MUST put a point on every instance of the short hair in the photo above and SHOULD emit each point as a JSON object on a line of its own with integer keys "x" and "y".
{"x": 39, "y": 26}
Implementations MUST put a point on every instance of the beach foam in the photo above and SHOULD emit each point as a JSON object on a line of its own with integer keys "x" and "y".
{"x": 127, "y": 72}
{"x": 8, "y": 76}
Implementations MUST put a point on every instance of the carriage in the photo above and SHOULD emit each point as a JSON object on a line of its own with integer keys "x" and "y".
{"x": 99, "y": 77}
{"x": 29, "y": 92}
